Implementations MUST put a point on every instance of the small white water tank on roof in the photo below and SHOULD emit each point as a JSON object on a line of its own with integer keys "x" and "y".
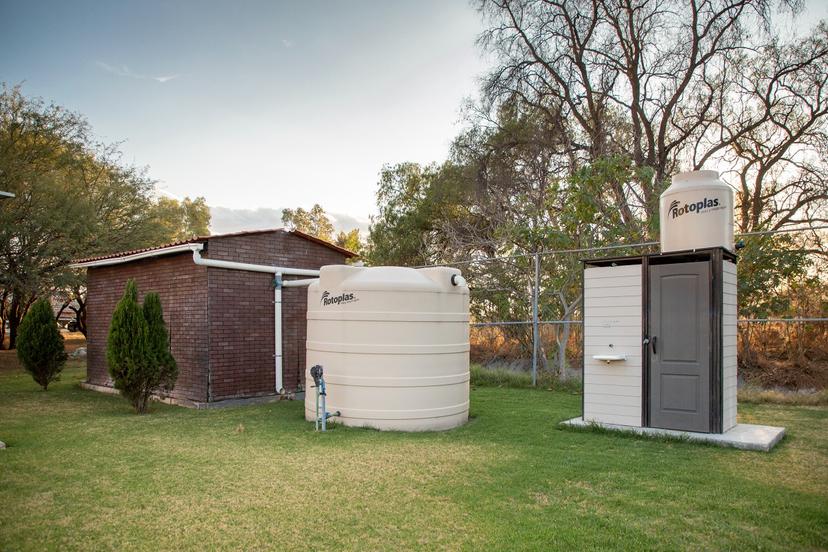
{"x": 394, "y": 346}
{"x": 696, "y": 211}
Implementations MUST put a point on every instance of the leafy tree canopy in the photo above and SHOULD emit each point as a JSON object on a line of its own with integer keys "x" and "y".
{"x": 314, "y": 222}
{"x": 181, "y": 220}
{"x": 74, "y": 198}
{"x": 317, "y": 223}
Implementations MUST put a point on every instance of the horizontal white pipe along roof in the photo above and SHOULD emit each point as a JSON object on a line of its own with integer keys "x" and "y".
{"x": 180, "y": 248}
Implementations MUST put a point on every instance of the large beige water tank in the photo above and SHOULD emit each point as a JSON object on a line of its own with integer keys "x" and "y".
{"x": 394, "y": 346}
{"x": 696, "y": 211}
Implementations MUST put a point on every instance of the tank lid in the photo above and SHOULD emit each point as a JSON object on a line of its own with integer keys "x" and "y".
{"x": 390, "y": 278}
{"x": 695, "y": 176}
{"x": 690, "y": 180}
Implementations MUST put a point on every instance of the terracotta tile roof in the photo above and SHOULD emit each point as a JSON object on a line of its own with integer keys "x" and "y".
{"x": 199, "y": 239}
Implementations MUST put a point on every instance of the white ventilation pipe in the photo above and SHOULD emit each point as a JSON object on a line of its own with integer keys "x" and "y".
{"x": 299, "y": 283}
{"x": 232, "y": 265}
{"x": 278, "y": 272}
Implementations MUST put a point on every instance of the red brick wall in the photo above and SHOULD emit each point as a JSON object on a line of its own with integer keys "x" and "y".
{"x": 183, "y": 289}
{"x": 242, "y": 313}
{"x": 221, "y": 321}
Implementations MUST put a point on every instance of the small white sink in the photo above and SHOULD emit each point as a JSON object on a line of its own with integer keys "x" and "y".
{"x": 610, "y": 358}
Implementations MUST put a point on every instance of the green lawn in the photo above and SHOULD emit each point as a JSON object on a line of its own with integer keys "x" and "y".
{"x": 83, "y": 472}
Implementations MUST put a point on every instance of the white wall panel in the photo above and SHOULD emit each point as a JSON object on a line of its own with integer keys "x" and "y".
{"x": 729, "y": 360}
{"x": 612, "y": 299}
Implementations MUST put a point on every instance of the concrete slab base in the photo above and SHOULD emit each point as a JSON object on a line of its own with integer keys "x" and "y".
{"x": 742, "y": 436}
{"x": 226, "y": 403}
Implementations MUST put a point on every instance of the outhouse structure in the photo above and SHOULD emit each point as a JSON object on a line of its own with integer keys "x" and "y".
{"x": 660, "y": 351}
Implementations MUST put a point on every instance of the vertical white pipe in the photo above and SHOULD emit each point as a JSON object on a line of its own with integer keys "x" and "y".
{"x": 277, "y": 272}
{"x": 277, "y": 331}
{"x": 535, "y": 326}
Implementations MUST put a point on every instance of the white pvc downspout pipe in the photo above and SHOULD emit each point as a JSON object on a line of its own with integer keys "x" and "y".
{"x": 277, "y": 272}
{"x": 277, "y": 331}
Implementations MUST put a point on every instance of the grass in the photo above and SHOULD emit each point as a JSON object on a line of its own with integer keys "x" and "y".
{"x": 501, "y": 377}
{"x": 83, "y": 472}
{"x": 808, "y": 397}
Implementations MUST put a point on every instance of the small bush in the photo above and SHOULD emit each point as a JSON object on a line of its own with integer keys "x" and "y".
{"x": 138, "y": 349}
{"x": 166, "y": 370}
{"x": 40, "y": 345}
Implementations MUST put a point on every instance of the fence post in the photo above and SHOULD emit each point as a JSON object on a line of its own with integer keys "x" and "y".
{"x": 535, "y": 324}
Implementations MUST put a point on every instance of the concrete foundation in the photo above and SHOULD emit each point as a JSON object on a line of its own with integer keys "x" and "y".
{"x": 226, "y": 403}
{"x": 742, "y": 436}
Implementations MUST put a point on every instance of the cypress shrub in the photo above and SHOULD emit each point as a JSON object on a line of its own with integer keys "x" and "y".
{"x": 127, "y": 349}
{"x": 138, "y": 349}
{"x": 165, "y": 369}
{"x": 40, "y": 345}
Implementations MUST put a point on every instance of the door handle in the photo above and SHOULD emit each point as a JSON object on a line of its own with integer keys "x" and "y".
{"x": 653, "y": 340}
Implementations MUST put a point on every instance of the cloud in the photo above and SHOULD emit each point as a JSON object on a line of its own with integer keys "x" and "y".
{"x": 124, "y": 71}
{"x": 224, "y": 220}
{"x": 287, "y": 43}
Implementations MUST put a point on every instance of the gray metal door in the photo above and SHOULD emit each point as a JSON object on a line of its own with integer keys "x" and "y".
{"x": 679, "y": 320}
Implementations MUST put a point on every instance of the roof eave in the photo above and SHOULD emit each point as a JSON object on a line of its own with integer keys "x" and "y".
{"x": 181, "y": 248}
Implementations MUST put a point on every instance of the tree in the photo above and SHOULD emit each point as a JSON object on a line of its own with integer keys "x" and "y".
{"x": 590, "y": 108}
{"x": 672, "y": 84}
{"x": 74, "y": 198}
{"x": 138, "y": 349}
{"x": 165, "y": 370}
{"x": 314, "y": 222}
{"x": 182, "y": 220}
{"x": 350, "y": 241}
{"x": 776, "y": 125}
{"x": 317, "y": 223}
{"x": 595, "y": 104}
{"x": 39, "y": 150}
{"x": 40, "y": 347}
{"x": 414, "y": 204}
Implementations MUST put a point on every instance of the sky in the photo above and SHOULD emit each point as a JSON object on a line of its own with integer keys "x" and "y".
{"x": 255, "y": 105}
{"x": 259, "y": 105}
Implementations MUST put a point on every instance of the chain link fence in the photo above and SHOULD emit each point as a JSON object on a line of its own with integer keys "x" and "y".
{"x": 527, "y": 308}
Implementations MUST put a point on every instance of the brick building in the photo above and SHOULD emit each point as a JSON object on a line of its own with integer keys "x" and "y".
{"x": 221, "y": 321}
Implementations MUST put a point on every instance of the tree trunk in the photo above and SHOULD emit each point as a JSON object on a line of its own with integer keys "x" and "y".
{"x": 80, "y": 319}
{"x": 62, "y": 308}
{"x": 16, "y": 313}
{"x": 3, "y": 298}
{"x": 143, "y": 402}
{"x": 80, "y": 312}
{"x": 562, "y": 343}
{"x": 746, "y": 354}
{"x": 562, "y": 336}
{"x": 14, "y": 320}
{"x": 543, "y": 363}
